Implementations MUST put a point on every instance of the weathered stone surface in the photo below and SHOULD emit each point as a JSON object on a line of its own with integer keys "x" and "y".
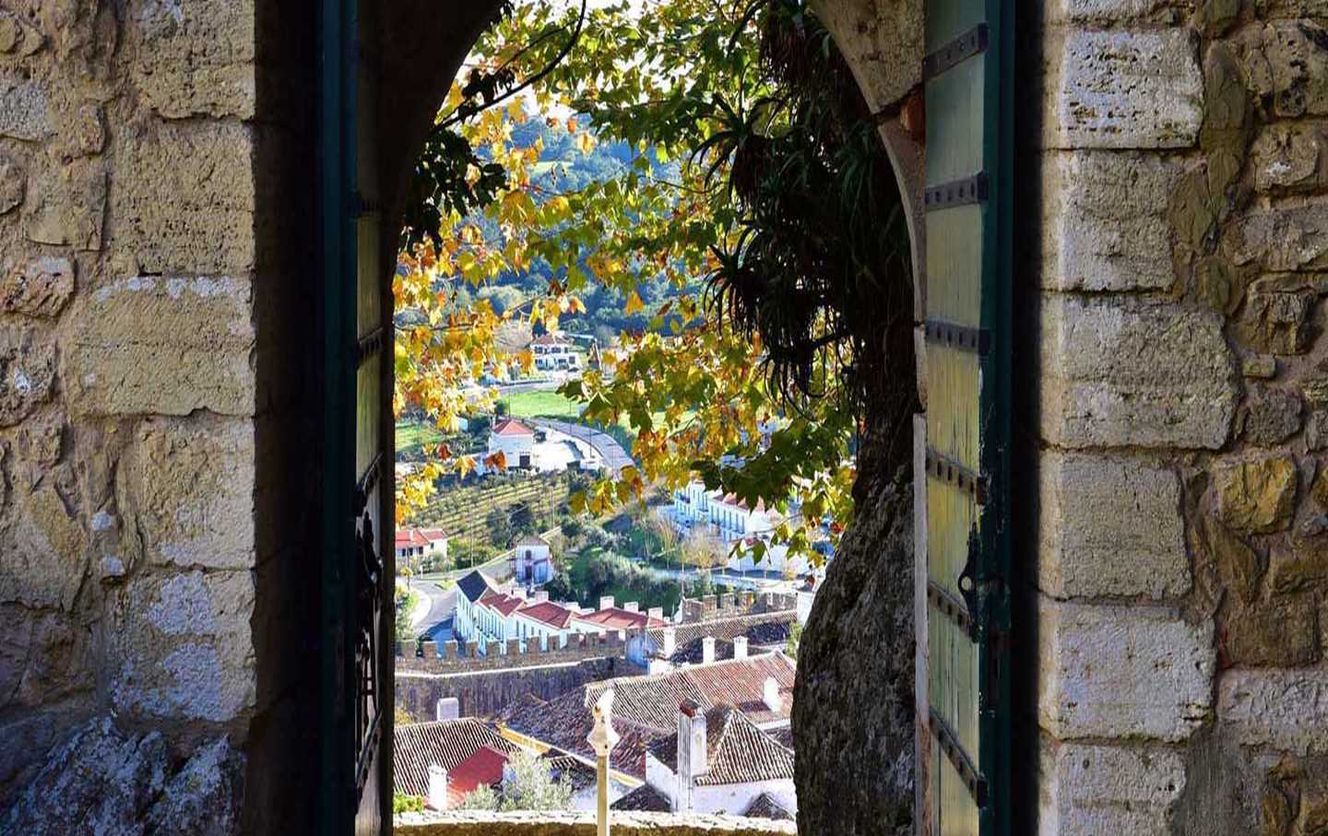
{"x": 1118, "y": 372}
{"x": 105, "y": 781}
{"x": 1124, "y": 90}
{"x": 24, "y": 109}
{"x": 1228, "y": 112}
{"x": 1277, "y": 322}
{"x": 184, "y": 198}
{"x": 43, "y": 558}
{"x": 1280, "y": 238}
{"x": 1086, "y": 552}
{"x": 1087, "y": 788}
{"x": 194, "y": 59}
{"x": 1256, "y": 495}
{"x": 38, "y": 288}
{"x": 1280, "y": 632}
{"x": 1319, "y": 490}
{"x": 1316, "y": 427}
{"x": 12, "y": 183}
{"x": 1270, "y": 416}
{"x": 1297, "y": 567}
{"x": 185, "y": 647}
{"x": 67, "y": 205}
{"x": 27, "y": 374}
{"x": 1287, "y": 63}
{"x": 1216, "y": 283}
{"x": 1105, "y": 224}
{"x": 1290, "y": 158}
{"x": 121, "y": 334}
{"x": 186, "y": 488}
{"x": 17, "y": 36}
{"x": 1282, "y": 709}
{"x": 883, "y": 43}
{"x": 1122, "y": 671}
{"x": 1259, "y": 367}
{"x": 1238, "y": 565}
{"x": 89, "y": 130}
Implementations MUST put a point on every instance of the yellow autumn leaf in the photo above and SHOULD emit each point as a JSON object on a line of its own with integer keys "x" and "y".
{"x": 634, "y": 304}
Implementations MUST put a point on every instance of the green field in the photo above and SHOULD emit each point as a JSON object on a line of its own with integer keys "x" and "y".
{"x": 542, "y": 404}
{"x": 410, "y": 435}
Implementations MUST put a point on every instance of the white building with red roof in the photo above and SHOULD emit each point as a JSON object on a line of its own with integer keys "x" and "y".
{"x": 543, "y": 448}
{"x": 515, "y": 439}
{"x": 554, "y": 353}
{"x": 532, "y": 560}
{"x": 415, "y": 543}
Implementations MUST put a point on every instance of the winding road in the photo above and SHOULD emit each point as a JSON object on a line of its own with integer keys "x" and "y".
{"x": 437, "y": 622}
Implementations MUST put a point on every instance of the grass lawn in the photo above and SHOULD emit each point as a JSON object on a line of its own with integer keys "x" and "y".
{"x": 542, "y": 404}
{"x": 411, "y": 435}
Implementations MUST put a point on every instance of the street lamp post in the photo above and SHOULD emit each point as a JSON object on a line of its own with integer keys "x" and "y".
{"x": 602, "y": 739}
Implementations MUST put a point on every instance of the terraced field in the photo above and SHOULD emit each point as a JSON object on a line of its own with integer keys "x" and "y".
{"x": 461, "y": 511}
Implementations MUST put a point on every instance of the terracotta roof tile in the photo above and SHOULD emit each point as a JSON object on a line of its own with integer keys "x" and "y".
{"x": 766, "y": 806}
{"x": 737, "y": 752}
{"x": 547, "y": 612}
{"x": 644, "y": 798}
{"x": 474, "y": 585}
{"x": 512, "y": 427}
{"x": 446, "y": 743}
{"x": 482, "y": 769}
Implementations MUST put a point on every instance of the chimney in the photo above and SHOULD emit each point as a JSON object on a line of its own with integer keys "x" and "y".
{"x": 770, "y": 694}
{"x": 540, "y": 596}
{"x": 707, "y": 650}
{"x": 670, "y": 642}
{"x": 632, "y": 606}
{"x": 606, "y": 602}
{"x": 655, "y": 613}
{"x": 739, "y": 647}
{"x": 691, "y": 753}
{"x": 448, "y": 708}
{"x": 437, "y": 798}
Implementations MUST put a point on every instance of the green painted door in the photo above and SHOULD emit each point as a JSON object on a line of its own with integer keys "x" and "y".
{"x": 357, "y": 496}
{"x": 967, "y": 203}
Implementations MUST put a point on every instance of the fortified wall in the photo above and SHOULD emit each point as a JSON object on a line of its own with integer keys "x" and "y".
{"x": 1180, "y": 393}
{"x": 486, "y": 692}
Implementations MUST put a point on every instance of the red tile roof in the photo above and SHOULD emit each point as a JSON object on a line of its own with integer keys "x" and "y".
{"x": 410, "y": 537}
{"x": 446, "y": 743}
{"x": 550, "y": 339}
{"x": 645, "y": 798}
{"x": 766, "y": 806}
{"x": 511, "y": 427}
{"x": 547, "y": 612}
{"x": 531, "y": 540}
{"x": 484, "y": 768}
{"x": 502, "y": 602}
{"x": 617, "y": 618}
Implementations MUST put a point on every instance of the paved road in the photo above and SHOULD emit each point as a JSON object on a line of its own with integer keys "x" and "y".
{"x": 755, "y": 581}
{"x": 437, "y": 623}
{"x": 607, "y": 446}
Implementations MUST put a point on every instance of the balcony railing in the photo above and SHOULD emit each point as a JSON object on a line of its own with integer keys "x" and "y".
{"x": 476, "y": 823}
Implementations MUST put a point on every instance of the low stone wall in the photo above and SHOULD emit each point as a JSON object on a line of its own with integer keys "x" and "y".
{"x": 484, "y": 693}
{"x": 581, "y": 824}
{"x": 454, "y": 657}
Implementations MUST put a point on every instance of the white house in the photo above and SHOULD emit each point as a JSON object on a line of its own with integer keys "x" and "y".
{"x": 531, "y": 560}
{"x": 554, "y": 352}
{"x": 728, "y": 520}
{"x": 416, "y": 543}
{"x": 514, "y": 439}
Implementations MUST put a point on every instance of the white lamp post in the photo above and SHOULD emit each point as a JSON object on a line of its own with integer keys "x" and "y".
{"x": 602, "y": 739}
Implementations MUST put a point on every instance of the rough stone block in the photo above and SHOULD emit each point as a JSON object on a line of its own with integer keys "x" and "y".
{"x": 13, "y": 183}
{"x": 1287, "y": 63}
{"x": 1290, "y": 158}
{"x": 1122, "y": 671}
{"x": 1113, "y": 89}
{"x": 1122, "y": 372}
{"x": 186, "y": 489}
{"x": 1281, "y": 709}
{"x": 184, "y": 647}
{"x": 1277, "y": 322}
{"x": 1256, "y": 495}
{"x": 25, "y": 111}
{"x": 1280, "y": 632}
{"x": 184, "y": 198}
{"x": 27, "y": 373}
{"x": 195, "y": 58}
{"x": 1108, "y": 789}
{"x": 161, "y": 345}
{"x": 1270, "y": 416}
{"x": 66, "y": 205}
{"x": 1105, "y": 222}
{"x": 40, "y": 287}
{"x": 1110, "y": 526}
{"x": 43, "y": 557}
{"x": 1280, "y": 238}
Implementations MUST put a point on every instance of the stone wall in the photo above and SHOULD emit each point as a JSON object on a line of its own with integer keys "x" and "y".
{"x": 583, "y": 824}
{"x": 1182, "y": 391}
{"x": 485, "y": 693}
{"x": 139, "y": 257}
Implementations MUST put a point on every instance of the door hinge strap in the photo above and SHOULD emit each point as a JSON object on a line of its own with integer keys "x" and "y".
{"x": 961, "y": 192}
{"x": 368, "y": 345}
{"x": 962, "y": 337}
{"x": 952, "y": 607}
{"x": 959, "y": 759}
{"x": 953, "y": 473}
{"x": 955, "y": 51}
